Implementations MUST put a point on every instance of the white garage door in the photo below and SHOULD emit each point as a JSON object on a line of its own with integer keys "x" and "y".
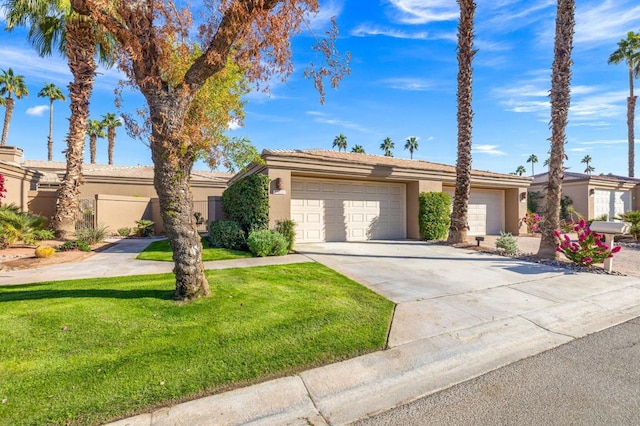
{"x": 612, "y": 203}
{"x": 486, "y": 211}
{"x": 332, "y": 210}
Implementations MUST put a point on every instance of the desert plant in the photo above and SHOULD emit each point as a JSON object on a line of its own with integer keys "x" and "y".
{"x": 144, "y": 228}
{"x": 633, "y": 217}
{"x": 433, "y": 218}
{"x": 91, "y": 235}
{"x": 16, "y": 225}
{"x": 287, "y": 227}
{"x": 43, "y": 234}
{"x": 44, "y": 251}
{"x": 588, "y": 250}
{"x": 507, "y": 243}
{"x": 227, "y": 234}
{"x": 264, "y": 242}
{"x": 73, "y": 245}
{"x": 601, "y": 218}
{"x": 124, "y": 232}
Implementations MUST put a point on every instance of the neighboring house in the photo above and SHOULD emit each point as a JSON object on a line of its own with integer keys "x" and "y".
{"x": 116, "y": 196}
{"x": 596, "y": 195}
{"x": 336, "y": 196}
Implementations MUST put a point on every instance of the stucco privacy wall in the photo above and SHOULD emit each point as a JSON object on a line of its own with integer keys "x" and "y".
{"x": 349, "y": 170}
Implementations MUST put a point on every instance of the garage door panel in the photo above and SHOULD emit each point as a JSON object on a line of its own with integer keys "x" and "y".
{"x": 485, "y": 211}
{"x": 611, "y": 203}
{"x": 348, "y": 211}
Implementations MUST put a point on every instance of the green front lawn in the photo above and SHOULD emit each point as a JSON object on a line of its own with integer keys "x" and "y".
{"x": 89, "y": 351}
{"x": 161, "y": 250}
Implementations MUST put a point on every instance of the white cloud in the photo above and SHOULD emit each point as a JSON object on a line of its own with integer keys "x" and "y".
{"x": 411, "y": 84}
{"x": 363, "y": 30}
{"x": 322, "y": 19}
{"x": 421, "y": 12}
{"x": 604, "y": 142}
{"x": 323, "y": 118}
{"x": 605, "y": 21}
{"x": 487, "y": 149}
{"x": 37, "y": 110}
{"x": 233, "y": 125}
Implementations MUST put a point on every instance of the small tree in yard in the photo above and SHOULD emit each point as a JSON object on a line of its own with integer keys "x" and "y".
{"x": 434, "y": 212}
{"x": 254, "y": 34}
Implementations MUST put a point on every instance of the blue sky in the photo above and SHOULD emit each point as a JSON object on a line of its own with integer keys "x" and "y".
{"x": 402, "y": 84}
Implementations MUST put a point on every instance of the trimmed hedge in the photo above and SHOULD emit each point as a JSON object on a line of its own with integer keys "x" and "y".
{"x": 434, "y": 215}
{"x": 264, "y": 242}
{"x": 227, "y": 234}
{"x": 247, "y": 202}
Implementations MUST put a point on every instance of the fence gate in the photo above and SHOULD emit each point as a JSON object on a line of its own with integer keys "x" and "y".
{"x": 201, "y": 213}
{"x": 86, "y": 216}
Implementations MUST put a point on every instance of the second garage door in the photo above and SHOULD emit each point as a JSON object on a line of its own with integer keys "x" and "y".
{"x": 332, "y": 210}
{"x": 486, "y": 211}
{"x": 610, "y": 203}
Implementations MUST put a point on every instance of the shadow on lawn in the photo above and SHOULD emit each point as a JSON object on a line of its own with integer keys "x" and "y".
{"x": 12, "y": 295}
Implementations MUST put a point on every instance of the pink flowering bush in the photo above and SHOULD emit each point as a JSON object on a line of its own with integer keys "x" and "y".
{"x": 588, "y": 250}
{"x": 532, "y": 220}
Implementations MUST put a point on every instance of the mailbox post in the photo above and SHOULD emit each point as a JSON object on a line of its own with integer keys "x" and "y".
{"x": 610, "y": 229}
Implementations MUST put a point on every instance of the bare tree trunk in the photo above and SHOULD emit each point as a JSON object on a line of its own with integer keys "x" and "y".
{"x": 560, "y": 101}
{"x": 173, "y": 159}
{"x": 459, "y": 216}
{"x": 9, "y": 103}
{"x": 50, "y": 139}
{"x": 631, "y": 108}
{"x": 92, "y": 148}
{"x": 81, "y": 52}
{"x": 111, "y": 135}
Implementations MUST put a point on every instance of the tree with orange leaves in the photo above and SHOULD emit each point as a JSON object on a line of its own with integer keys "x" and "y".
{"x": 255, "y": 34}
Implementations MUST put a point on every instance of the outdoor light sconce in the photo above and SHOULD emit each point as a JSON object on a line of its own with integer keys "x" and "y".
{"x": 279, "y": 187}
{"x": 592, "y": 192}
{"x": 523, "y": 197}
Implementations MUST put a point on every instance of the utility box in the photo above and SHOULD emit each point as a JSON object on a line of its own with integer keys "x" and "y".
{"x": 610, "y": 229}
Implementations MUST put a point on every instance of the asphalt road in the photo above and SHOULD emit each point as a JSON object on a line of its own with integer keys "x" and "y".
{"x": 591, "y": 381}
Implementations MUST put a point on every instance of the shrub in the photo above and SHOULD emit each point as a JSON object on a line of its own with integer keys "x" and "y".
{"x": 588, "y": 250}
{"x": 227, "y": 234}
{"x": 532, "y": 200}
{"x": 144, "y": 228}
{"x": 633, "y": 217}
{"x": 507, "y": 243}
{"x": 247, "y": 202}
{"x": 2, "y": 188}
{"x": 45, "y": 251}
{"x": 532, "y": 220}
{"x": 287, "y": 228}
{"x": 73, "y": 245}
{"x": 43, "y": 234}
{"x": 92, "y": 235}
{"x": 267, "y": 243}
{"x": 434, "y": 215}
{"x": 16, "y": 225}
{"x": 124, "y": 232}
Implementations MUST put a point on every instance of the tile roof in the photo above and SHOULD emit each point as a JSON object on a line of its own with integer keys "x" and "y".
{"x": 569, "y": 176}
{"x": 53, "y": 169}
{"x": 376, "y": 160}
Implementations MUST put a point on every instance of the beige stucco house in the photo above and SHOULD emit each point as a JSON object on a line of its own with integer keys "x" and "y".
{"x": 596, "y": 195}
{"x": 336, "y": 196}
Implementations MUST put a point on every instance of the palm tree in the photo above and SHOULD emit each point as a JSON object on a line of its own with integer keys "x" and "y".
{"x": 52, "y": 92}
{"x": 95, "y": 130}
{"x": 110, "y": 121}
{"x": 587, "y": 160}
{"x": 358, "y": 149}
{"x": 341, "y": 142}
{"x": 629, "y": 51}
{"x": 411, "y": 145}
{"x": 533, "y": 159}
{"x": 560, "y": 101}
{"x": 387, "y": 145}
{"x": 10, "y": 85}
{"x": 54, "y": 25}
{"x": 520, "y": 170}
{"x": 459, "y": 216}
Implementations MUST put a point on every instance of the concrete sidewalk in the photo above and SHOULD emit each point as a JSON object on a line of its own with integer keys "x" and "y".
{"x": 459, "y": 315}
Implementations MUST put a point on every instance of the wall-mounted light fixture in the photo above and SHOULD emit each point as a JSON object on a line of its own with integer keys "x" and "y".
{"x": 279, "y": 184}
{"x": 278, "y": 187}
{"x": 523, "y": 197}
{"x": 592, "y": 192}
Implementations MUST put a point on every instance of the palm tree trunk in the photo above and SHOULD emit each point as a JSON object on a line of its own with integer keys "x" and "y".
{"x": 81, "y": 52}
{"x": 92, "y": 148}
{"x": 631, "y": 107}
{"x": 560, "y": 101}
{"x": 173, "y": 159}
{"x": 7, "y": 119}
{"x": 459, "y": 216}
{"x": 50, "y": 139}
{"x": 111, "y": 135}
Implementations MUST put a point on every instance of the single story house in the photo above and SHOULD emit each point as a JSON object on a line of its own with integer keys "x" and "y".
{"x": 596, "y": 195}
{"x": 340, "y": 196}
